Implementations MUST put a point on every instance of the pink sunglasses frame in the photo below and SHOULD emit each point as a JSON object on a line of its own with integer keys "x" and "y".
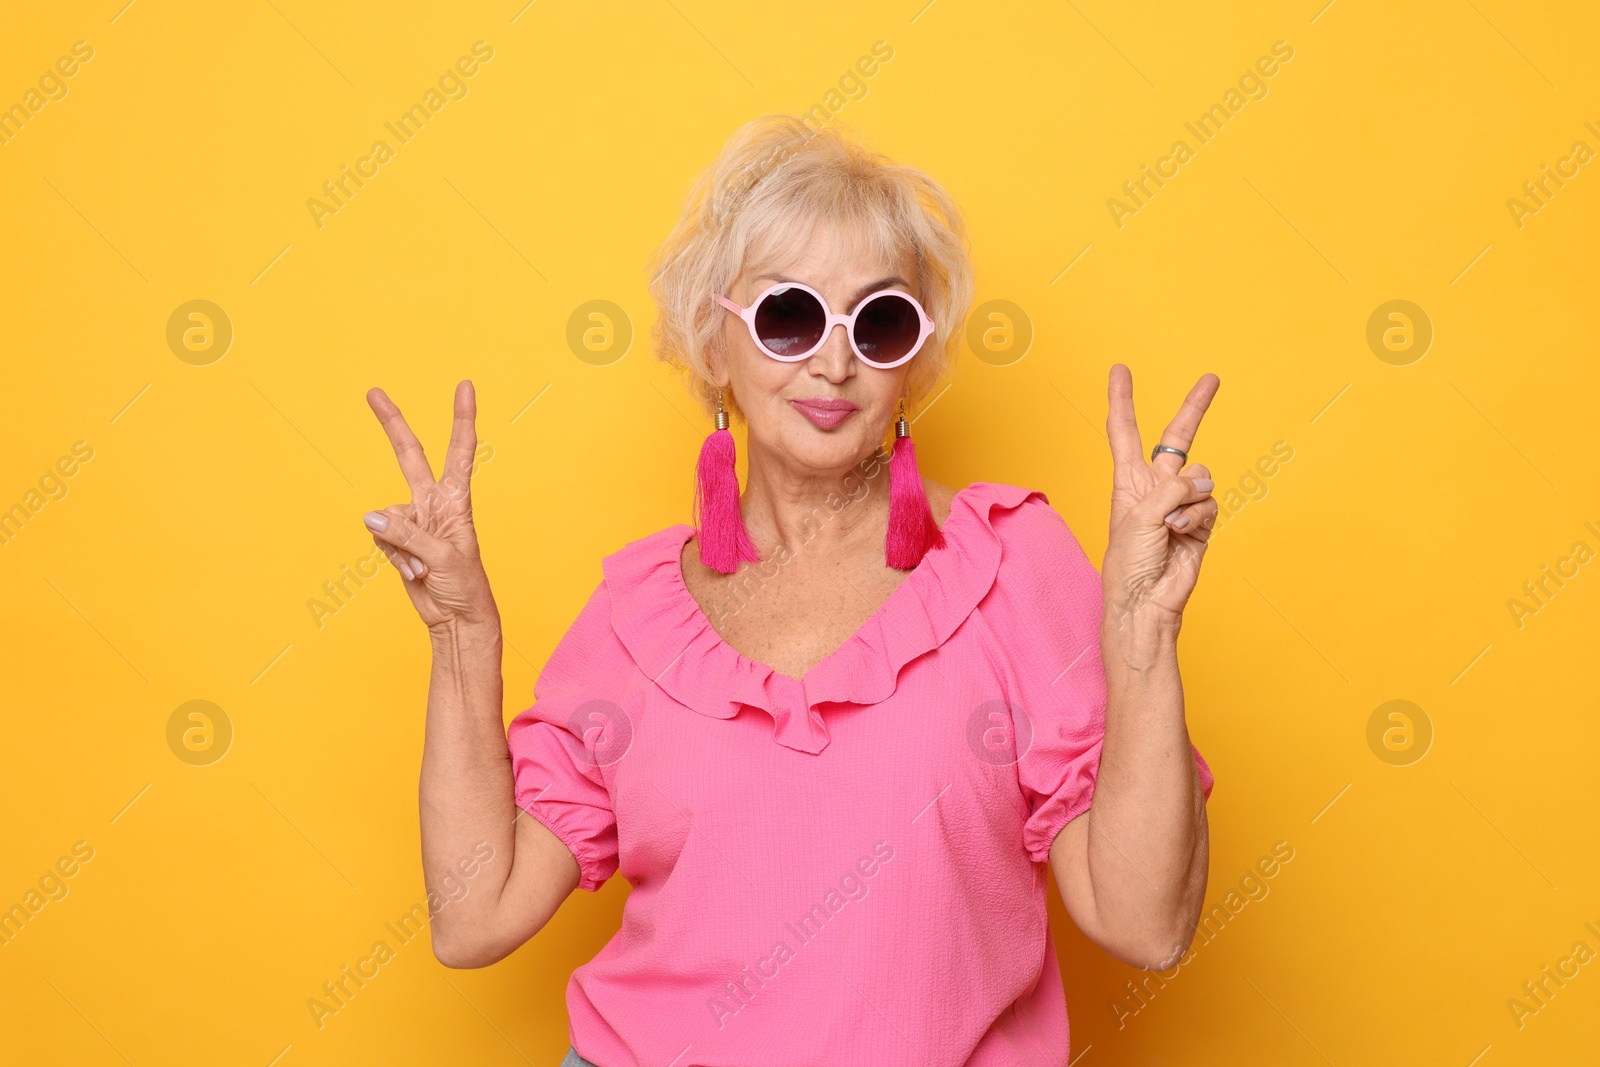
{"x": 748, "y": 314}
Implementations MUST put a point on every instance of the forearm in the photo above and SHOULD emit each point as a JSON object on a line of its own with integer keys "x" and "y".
{"x": 466, "y": 799}
{"x": 1148, "y": 848}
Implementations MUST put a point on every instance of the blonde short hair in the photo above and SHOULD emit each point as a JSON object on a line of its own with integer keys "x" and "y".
{"x": 773, "y": 182}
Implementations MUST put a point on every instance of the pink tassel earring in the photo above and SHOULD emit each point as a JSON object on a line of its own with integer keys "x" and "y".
{"x": 723, "y": 539}
{"x": 912, "y": 531}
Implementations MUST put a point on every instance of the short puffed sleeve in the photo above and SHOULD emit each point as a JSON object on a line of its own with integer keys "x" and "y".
{"x": 1045, "y": 608}
{"x": 576, "y": 726}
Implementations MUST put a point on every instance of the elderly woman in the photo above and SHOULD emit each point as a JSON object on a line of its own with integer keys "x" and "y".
{"x": 835, "y": 733}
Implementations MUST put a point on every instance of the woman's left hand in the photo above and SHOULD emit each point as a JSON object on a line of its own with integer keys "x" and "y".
{"x": 1161, "y": 511}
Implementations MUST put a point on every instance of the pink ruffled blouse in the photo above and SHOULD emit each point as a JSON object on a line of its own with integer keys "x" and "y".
{"x": 845, "y": 868}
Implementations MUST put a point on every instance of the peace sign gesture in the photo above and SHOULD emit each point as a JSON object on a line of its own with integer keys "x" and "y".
{"x": 1161, "y": 511}
{"x": 431, "y": 540}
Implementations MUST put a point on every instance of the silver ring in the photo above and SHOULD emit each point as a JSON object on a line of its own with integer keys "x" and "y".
{"x": 1156, "y": 451}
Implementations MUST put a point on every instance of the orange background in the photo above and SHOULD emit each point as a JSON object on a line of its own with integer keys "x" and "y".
{"x": 1378, "y": 563}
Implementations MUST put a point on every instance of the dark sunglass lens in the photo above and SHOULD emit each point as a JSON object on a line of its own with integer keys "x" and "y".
{"x": 887, "y": 328}
{"x": 789, "y": 321}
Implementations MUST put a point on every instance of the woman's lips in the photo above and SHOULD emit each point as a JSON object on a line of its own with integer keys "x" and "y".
{"x": 825, "y": 414}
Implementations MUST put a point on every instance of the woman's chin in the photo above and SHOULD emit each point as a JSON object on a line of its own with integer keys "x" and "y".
{"x": 824, "y": 450}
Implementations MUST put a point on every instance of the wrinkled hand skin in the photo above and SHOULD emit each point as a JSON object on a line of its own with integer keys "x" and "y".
{"x": 431, "y": 540}
{"x": 1133, "y": 867}
{"x": 1151, "y": 565}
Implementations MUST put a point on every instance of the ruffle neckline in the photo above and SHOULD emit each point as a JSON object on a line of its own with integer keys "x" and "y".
{"x": 666, "y": 633}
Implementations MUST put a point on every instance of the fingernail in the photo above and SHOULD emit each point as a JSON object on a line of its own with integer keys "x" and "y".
{"x": 418, "y": 567}
{"x": 1177, "y": 518}
{"x": 1203, "y": 485}
{"x": 376, "y": 521}
{"x": 405, "y": 568}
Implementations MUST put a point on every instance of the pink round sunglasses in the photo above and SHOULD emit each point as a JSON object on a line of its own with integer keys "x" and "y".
{"x": 790, "y": 320}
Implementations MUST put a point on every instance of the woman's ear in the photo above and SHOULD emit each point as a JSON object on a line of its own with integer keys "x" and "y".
{"x": 719, "y": 378}
{"x": 716, "y": 354}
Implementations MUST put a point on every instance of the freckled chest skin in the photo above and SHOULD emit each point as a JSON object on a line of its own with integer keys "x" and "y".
{"x": 811, "y": 606}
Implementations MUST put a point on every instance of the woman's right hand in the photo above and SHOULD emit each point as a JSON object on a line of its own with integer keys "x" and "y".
{"x": 431, "y": 540}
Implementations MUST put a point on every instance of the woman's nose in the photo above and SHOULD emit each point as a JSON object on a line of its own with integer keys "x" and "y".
{"x": 835, "y": 356}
